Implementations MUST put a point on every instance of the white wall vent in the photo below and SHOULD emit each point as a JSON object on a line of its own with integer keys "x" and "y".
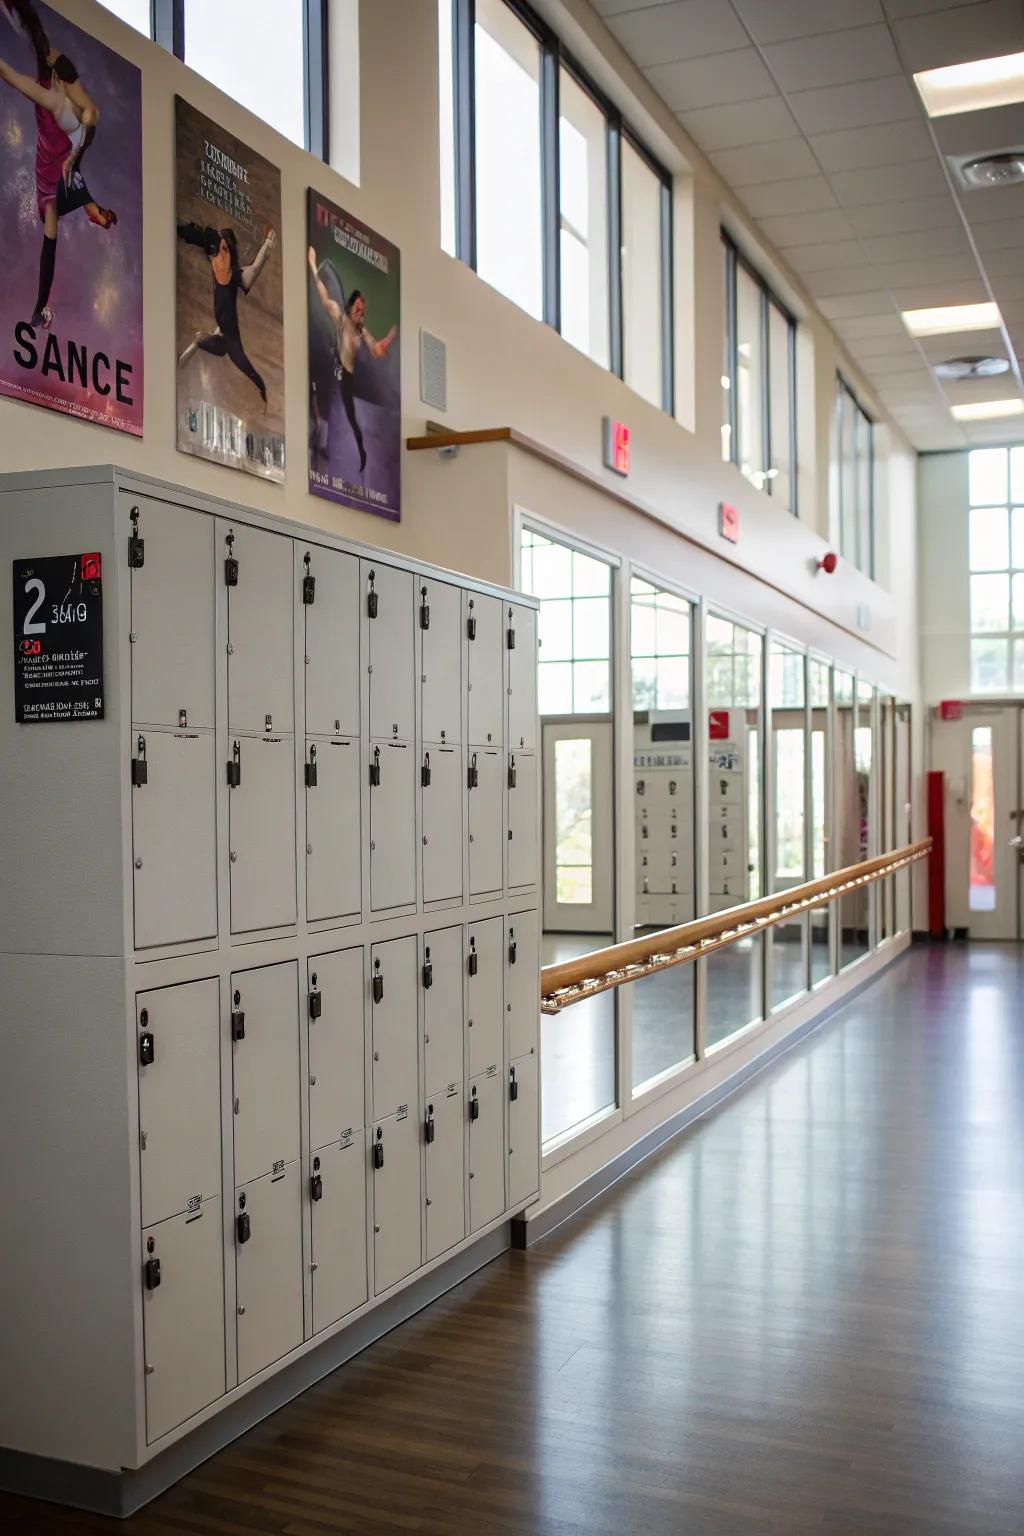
{"x": 433, "y": 371}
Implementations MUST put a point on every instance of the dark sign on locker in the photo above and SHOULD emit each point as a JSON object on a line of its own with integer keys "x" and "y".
{"x": 58, "y": 638}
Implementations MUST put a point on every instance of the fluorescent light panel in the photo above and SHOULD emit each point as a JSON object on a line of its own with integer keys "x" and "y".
{"x": 987, "y": 410}
{"x": 952, "y": 317}
{"x": 973, "y": 86}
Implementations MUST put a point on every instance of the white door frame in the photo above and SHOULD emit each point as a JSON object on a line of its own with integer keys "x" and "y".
{"x": 597, "y": 916}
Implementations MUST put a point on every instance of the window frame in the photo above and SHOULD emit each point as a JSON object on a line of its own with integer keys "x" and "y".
{"x": 736, "y": 260}
{"x": 555, "y": 57}
{"x": 1012, "y": 636}
{"x": 845, "y": 393}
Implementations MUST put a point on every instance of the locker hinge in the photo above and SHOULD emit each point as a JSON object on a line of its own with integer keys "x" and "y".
{"x": 375, "y": 769}
{"x": 512, "y": 771}
{"x": 511, "y": 946}
{"x": 424, "y": 609}
{"x": 237, "y": 1018}
{"x": 471, "y": 622}
{"x": 473, "y": 963}
{"x": 372, "y": 599}
{"x": 140, "y": 768}
{"x": 378, "y": 1149}
{"x": 235, "y": 766}
{"x": 308, "y": 584}
{"x": 510, "y": 633}
{"x": 152, "y": 1274}
{"x": 473, "y": 775}
{"x": 513, "y": 1085}
{"x": 136, "y": 544}
{"x": 428, "y": 969}
{"x": 378, "y": 983}
{"x": 425, "y": 771}
{"x": 311, "y": 769}
{"x": 230, "y": 563}
{"x": 428, "y": 1126}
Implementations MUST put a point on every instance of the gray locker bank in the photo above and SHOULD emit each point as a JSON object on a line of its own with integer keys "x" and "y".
{"x": 270, "y": 970}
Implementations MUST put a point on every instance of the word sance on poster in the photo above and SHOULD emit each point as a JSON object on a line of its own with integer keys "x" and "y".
{"x": 88, "y": 370}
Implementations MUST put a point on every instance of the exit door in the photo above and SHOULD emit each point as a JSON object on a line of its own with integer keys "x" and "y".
{"x": 578, "y": 827}
{"x": 978, "y": 755}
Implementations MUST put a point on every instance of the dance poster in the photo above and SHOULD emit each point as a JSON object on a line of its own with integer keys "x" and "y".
{"x": 71, "y": 212}
{"x": 230, "y": 329}
{"x": 355, "y": 397}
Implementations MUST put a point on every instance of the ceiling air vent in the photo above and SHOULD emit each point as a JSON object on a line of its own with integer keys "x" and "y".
{"x": 971, "y": 368}
{"x": 1003, "y": 169}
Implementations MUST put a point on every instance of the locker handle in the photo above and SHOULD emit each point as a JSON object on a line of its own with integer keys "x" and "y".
{"x": 230, "y": 563}
{"x": 512, "y": 946}
{"x": 428, "y": 972}
{"x": 512, "y": 771}
{"x": 474, "y": 1108}
{"x": 140, "y": 768}
{"x": 372, "y": 600}
{"x": 316, "y": 1004}
{"x": 375, "y": 769}
{"x": 316, "y": 1187}
{"x": 243, "y": 1227}
{"x": 513, "y": 1085}
{"x": 308, "y": 583}
{"x": 152, "y": 1274}
{"x": 235, "y": 766}
{"x": 136, "y": 545}
{"x": 471, "y": 623}
{"x": 510, "y": 637}
{"x": 311, "y": 775}
{"x": 378, "y": 1150}
{"x": 425, "y": 771}
{"x": 424, "y": 610}
{"x": 473, "y": 963}
{"x": 238, "y": 1024}
{"x": 473, "y": 775}
{"x": 147, "y": 1049}
{"x": 378, "y": 983}
{"x": 428, "y": 1128}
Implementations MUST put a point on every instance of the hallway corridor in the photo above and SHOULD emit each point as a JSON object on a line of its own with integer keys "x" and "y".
{"x": 803, "y": 1316}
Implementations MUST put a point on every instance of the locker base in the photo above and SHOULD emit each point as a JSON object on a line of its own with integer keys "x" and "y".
{"x": 121, "y": 1494}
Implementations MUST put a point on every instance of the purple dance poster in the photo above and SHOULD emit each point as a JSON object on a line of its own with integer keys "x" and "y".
{"x": 71, "y": 210}
{"x": 355, "y": 398}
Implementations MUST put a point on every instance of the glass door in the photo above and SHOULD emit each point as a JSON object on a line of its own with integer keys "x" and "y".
{"x": 579, "y": 895}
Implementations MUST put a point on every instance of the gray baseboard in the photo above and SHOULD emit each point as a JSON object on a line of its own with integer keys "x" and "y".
{"x": 122, "y": 1493}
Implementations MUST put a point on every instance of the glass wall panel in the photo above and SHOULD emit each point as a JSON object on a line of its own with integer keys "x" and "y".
{"x": 661, "y": 645}
{"x": 232, "y": 53}
{"x": 641, "y": 276}
{"x": 735, "y": 975}
{"x": 853, "y": 801}
{"x": 821, "y": 920}
{"x": 575, "y": 625}
{"x": 583, "y": 219}
{"x": 885, "y": 899}
{"x": 780, "y": 382}
{"x": 786, "y": 702}
{"x": 446, "y": 123}
{"x": 749, "y": 371}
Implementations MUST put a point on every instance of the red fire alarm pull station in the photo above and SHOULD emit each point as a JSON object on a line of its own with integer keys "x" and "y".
{"x": 616, "y": 446}
{"x": 729, "y": 522}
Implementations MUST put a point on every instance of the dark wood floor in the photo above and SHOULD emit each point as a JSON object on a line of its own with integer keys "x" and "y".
{"x": 805, "y": 1316}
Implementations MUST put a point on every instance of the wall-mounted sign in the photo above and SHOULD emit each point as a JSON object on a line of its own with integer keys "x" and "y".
{"x": 729, "y": 521}
{"x": 616, "y": 445}
{"x": 718, "y": 725}
{"x": 951, "y": 709}
{"x": 58, "y": 639}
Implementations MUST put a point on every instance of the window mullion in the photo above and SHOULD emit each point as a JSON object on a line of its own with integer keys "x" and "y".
{"x": 550, "y": 236}
{"x": 766, "y": 398}
{"x": 667, "y": 336}
{"x": 316, "y": 79}
{"x": 733, "y": 353}
{"x": 464, "y": 76}
{"x": 614, "y": 200}
{"x": 168, "y": 25}
{"x": 793, "y": 468}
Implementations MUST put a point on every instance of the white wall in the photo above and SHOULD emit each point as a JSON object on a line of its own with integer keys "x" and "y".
{"x": 945, "y": 602}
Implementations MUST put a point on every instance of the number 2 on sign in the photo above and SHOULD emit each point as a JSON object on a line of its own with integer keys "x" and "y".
{"x": 36, "y": 586}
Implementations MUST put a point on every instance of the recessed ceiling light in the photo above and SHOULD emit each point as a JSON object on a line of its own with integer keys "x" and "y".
{"x": 988, "y": 410}
{"x": 973, "y": 86}
{"x": 1005, "y": 169}
{"x": 971, "y": 368}
{"x": 952, "y": 317}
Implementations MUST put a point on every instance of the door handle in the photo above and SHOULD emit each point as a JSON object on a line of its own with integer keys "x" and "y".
{"x": 1017, "y": 842}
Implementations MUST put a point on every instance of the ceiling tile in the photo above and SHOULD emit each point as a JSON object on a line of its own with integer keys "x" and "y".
{"x": 822, "y": 257}
{"x": 990, "y": 205}
{"x": 616, "y": 7}
{"x": 807, "y": 228}
{"x": 855, "y": 149}
{"x": 801, "y": 194}
{"x": 927, "y": 269}
{"x": 752, "y": 122}
{"x": 862, "y": 279}
{"x": 897, "y": 9}
{"x": 771, "y": 21}
{"x": 1006, "y": 234}
{"x": 855, "y": 328}
{"x": 836, "y": 58}
{"x": 912, "y": 214}
{"x": 934, "y": 295}
{"x": 683, "y": 29}
{"x": 764, "y": 162}
{"x": 879, "y": 347}
{"x": 913, "y": 244}
{"x": 715, "y": 81}
{"x": 979, "y": 31}
{"x": 854, "y": 106}
{"x": 876, "y": 305}
{"x": 890, "y": 184}
{"x": 963, "y": 344}
{"x": 1000, "y": 264}
{"x": 917, "y": 380}
{"x": 882, "y": 366}
{"x": 983, "y": 132}
{"x": 1012, "y": 285}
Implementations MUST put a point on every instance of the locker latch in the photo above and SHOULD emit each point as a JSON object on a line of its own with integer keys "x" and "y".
{"x": 471, "y": 622}
{"x": 316, "y": 1002}
{"x": 425, "y": 770}
{"x": 378, "y": 1149}
{"x": 671, "y": 786}
{"x": 378, "y": 983}
{"x": 424, "y": 609}
{"x": 235, "y": 766}
{"x": 428, "y": 1128}
{"x": 473, "y": 964}
{"x": 372, "y": 601}
{"x": 473, "y": 776}
{"x": 512, "y": 771}
{"x": 140, "y": 768}
{"x": 152, "y": 1274}
{"x": 510, "y": 633}
{"x": 428, "y": 969}
{"x": 513, "y": 1085}
{"x": 243, "y": 1227}
{"x": 511, "y": 946}
{"x": 308, "y": 584}
{"x": 230, "y": 563}
{"x": 136, "y": 545}
{"x": 316, "y": 1183}
{"x": 474, "y": 1107}
{"x": 237, "y": 1018}
{"x": 375, "y": 769}
{"x": 311, "y": 769}
{"x": 147, "y": 1045}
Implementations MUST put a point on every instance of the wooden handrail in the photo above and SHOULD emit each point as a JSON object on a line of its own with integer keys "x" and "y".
{"x": 615, "y": 966}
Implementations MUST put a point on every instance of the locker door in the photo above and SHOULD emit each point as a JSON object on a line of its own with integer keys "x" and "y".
{"x": 336, "y": 1061}
{"x": 391, "y": 661}
{"x": 392, "y": 827}
{"x": 333, "y": 848}
{"x": 522, "y": 819}
{"x": 173, "y": 616}
{"x": 261, "y": 834}
{"x": 332, "y": 641}
{"x": 268, "y": 1268}
{"x": 393, "y": 1025}
{"x": 444, "y": 951}
{"x": 523, "y": 984}
{"x": 395, "y": 1161}
{"x": 442, "y": 823}
{"x": 261, "y": 642}
{"x": 174, "y": 838}
{"x": 179, "y": 1096}
{"x": 441, "y": 679}
{"x": 486, "y": 682}
{"x": 486, "y": 1150}
{"x": 183, "y": 1316}
{"x": 485, "y": 1012}
{"x": 485, "y": 822}
{"x": 523, "y": 1131}
{"x": 339, "y": 1230}
{"x": 522, "y": 679}
{"x": 445, "y": 1176}
{"x": 265, "y": 1068}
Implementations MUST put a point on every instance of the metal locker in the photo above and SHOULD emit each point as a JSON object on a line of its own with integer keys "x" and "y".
{"x": 330, "y": 605}
{"x": 485, "y": 1012}
{"x": 522, "y": 984}
{"x": 268, "y": 1269}
{"x": 334, "y": 1008}
{"x": 441, "y": 789}
{"x": 337, "y": 1186}
{"x": 523, "y": 836}
{"x": 392, "y": 667}
{"x": 392, "y": 778}
{"x": 182, "y": 1271}
{"x": 261, "y": 641}
{"x": 485, "y": 776}
{"x": 523, "y": 1131}
{"x": 522, "y": 677}
{"x": 172, "y": 624}
{"x": 393, "y": 1025}
{"x": 486, "y": 1149}
{"x": 333, "y": 848}
{"x": 261, "y": 833}
{"x": 174, "y": 837}
{"x": 440, "y": 621}
{"x": 486, "y": 682}
{"x": 265, "y": 1068}
{"x": 444, "y": 966}
{"x": 444, "y": 1162}
{"x": 397, "y": 1203}
{"x": 178, "y": 1041}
